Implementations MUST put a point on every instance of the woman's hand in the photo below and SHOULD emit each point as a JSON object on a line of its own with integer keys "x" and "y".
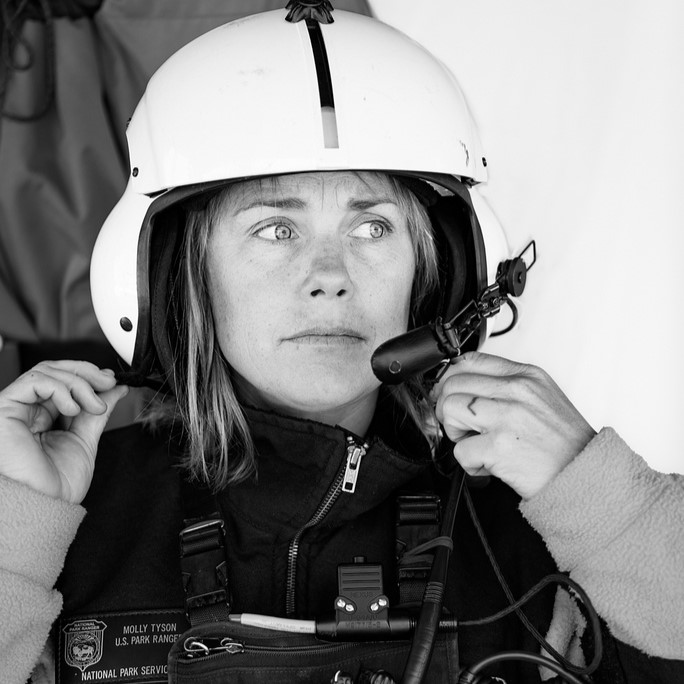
{"x": 510, "y": 420}
{"x": 51, "y": 419}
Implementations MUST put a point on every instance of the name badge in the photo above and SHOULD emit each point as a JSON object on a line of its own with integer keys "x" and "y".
{"x": 126, "y": 648}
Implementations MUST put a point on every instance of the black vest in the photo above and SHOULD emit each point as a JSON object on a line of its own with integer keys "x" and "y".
{"x": 126, "y": 558}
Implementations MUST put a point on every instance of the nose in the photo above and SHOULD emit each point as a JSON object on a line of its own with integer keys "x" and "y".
{"x": 327, "y": 274}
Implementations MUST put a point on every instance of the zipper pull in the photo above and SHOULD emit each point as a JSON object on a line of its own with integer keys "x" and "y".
{"x": 351, "y": 472}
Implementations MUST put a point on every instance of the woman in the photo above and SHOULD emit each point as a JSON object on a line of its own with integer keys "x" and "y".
{"x": 268, "y": 242}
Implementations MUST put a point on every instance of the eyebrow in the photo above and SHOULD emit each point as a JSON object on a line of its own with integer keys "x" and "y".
{"x": 296, "y": 203}
{"x": 275, "y": 203}
{"x": 363, "y": 204}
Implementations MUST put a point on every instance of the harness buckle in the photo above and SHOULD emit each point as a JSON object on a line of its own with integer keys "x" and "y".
{"x": 204, "y": 570}
{"x": 417, "y": 523}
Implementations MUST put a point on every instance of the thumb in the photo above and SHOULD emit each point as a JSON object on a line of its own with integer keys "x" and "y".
{"x": 89, "y": 426}
{"x": 489, "y": 364}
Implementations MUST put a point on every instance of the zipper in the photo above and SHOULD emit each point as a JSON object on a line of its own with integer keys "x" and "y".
{"x": 345, "y": 481}
{"x": 351, "y": 471}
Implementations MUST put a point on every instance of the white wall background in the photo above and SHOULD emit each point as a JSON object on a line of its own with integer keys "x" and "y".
{"x": 580, "y": 106}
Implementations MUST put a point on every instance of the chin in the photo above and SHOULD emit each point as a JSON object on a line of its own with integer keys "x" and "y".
{"x": 317, "y": 396}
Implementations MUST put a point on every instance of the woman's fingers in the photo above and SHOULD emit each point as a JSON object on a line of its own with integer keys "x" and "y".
{"x": 481, "y": 364}
{"x": 62, "y": 387}
{"x": 461, "y": 413}
{"x": 89, "y": 426}
{"x": 83, "y": 380}
{"x": 509, "y": 419}
{"x": 469, "y": 452}
{"x": 35, "y": 387}
{"x": 42, "y": 416}
{"x": 51, "y": 419}
{"x": 73, "y": 452}
{"x": 492, "y": 376}
{"x": 100, "y": 378}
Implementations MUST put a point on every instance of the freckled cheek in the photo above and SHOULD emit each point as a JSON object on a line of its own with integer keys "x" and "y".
{"x": 391, "y": 283}
{"x": 245, "y": 304}
{"x": 388, "y": 302}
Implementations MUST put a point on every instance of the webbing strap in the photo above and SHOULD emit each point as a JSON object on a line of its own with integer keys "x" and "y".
{"x": 417, "y": 530}
{"x": 204, "y": 567}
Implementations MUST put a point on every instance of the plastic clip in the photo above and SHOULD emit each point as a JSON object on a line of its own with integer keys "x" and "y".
{"x": 204, "y": 571}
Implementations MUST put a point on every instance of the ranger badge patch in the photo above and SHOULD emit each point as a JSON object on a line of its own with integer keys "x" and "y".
{"x": 83, "y": 643}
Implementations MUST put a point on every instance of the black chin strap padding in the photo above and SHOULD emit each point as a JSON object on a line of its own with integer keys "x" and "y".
{"x": 450, "y": 219}
{"x": 159, "y": 258}
{"x": 163, "y": 273}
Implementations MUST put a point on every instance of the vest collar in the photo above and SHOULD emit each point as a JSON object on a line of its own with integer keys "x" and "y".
{"x": 298, "y": 461}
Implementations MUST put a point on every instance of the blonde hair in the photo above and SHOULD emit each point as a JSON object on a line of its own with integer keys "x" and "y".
{"x": 220, "y": 449}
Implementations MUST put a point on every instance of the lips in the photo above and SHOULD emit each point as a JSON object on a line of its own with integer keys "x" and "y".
{"x": 327, "y": 334}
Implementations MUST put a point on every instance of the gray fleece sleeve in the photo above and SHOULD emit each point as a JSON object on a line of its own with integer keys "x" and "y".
{"x": 35, "y": 534}
{"x": 618, "y": 527}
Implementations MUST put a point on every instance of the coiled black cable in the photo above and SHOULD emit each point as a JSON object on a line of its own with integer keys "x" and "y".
{"x": 431, "y": 608}
{"x": 471, "y": 675}
{"x": 430, "y": 613}
{"x": 557, "y": 578}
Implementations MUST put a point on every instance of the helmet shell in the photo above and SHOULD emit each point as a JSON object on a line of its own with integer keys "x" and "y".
{"x": 243, "y": 100}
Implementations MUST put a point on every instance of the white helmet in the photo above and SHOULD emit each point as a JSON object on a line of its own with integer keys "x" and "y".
{"x": 272, "y": 94}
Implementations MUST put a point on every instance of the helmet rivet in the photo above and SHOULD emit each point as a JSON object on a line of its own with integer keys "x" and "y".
{"x": 484, "y": 162}
{"x": 126, "y": 324}
{"x": 134, "y": 173}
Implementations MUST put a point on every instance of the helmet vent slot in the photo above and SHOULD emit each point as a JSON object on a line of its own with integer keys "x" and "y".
{"x": 325, "y": 89}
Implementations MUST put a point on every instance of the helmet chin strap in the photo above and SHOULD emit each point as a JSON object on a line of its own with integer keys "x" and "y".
{"x": 438, "y": 342}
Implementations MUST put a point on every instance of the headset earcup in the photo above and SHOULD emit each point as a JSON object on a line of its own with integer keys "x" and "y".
{"x": 461, "y": 260}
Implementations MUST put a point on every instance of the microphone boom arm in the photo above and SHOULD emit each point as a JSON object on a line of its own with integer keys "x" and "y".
{"x": 437, "y": 343}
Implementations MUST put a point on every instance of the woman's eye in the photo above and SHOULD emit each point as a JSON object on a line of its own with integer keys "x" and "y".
{"x": 371, "y": 229}
{"x": 276, "y": 231}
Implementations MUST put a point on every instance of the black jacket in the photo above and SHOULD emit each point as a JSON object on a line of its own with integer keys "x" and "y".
{"x": 126, "y": 557}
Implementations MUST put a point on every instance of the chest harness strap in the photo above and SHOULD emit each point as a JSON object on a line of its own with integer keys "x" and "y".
{"x": 417, "y": 528}
{"x": 204, "y": 566}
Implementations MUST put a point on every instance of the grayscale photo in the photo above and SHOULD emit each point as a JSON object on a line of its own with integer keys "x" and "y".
{"x": 340, "y": 342}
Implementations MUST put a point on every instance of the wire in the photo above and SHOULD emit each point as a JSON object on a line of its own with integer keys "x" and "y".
{"x": 433, "y": 598}
{"x": 276, "y": 623}
{"x": 515, "y": 605}
{"x": 470, "y": 675}
{"x": 514, "y": 321}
